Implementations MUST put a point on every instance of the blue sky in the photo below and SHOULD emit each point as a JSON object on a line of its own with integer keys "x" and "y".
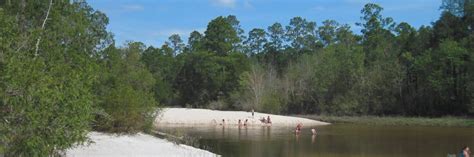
{"x": 153, "y": 21}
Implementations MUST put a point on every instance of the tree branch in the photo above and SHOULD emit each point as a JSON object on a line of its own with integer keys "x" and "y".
{"x": 42, "y": 27}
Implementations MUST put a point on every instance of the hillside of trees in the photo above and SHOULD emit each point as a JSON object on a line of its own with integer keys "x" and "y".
{"x": 62, "y": 75}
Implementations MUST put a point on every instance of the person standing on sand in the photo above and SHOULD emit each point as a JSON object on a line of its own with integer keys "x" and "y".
{"x": 268, "y": 120}
{"x": 252, "y": 113}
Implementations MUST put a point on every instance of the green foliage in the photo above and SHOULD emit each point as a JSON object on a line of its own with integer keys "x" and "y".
{"x": 163, "y": 66}
{"x": 327, "y": 32}
{"x": 125, "y": 91}
{"x": 199, "y": 79}
{"x": 206, "y": 77}
{"x": 194, "y": 42}
{"x": 456, "y": 7}
{"x": 46, "y": 112}
{"x": 276, "y": 34}
{"x": 389, "y": 70}
{"x": 450, "y": 27}
{"x": 302, "y": 35}
{"x": 47, "y": 75}
{"x": 256, "y": 41}
{"x": 176, "y": 44}
{"x": 220, "y": 36}
{"x": 271, "y": 103}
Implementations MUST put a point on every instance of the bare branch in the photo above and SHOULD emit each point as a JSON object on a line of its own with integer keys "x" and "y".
{"x": 42, "y": 27}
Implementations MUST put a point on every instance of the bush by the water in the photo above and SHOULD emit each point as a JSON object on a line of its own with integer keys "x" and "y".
{"x": 125, "y": 92}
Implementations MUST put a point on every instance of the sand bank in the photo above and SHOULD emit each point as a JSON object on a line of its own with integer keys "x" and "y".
{"x": 213, "y": 117}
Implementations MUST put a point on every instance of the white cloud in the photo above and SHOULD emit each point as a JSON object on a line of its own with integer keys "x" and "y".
{"x": 132, "y": 7}
{"x": 224, "y": 3}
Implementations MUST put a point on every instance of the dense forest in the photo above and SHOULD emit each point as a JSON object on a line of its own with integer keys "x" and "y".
{"x": 62, "y": 75}
{"x": 304, "y": 67}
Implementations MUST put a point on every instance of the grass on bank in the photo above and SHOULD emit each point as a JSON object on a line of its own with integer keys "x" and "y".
{"x": 396, "y": 121}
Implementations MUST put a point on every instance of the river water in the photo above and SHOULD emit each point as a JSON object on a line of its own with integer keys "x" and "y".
{"x": 337, "y": 140}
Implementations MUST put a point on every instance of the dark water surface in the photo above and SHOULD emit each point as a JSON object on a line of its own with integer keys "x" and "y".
{"x": 332, "y": 140}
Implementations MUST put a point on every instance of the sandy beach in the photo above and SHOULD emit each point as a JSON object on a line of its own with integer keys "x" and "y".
{"x": 146, "y": 145}
{"x": 139, "y": 145}
{"x": 183, "y": 116}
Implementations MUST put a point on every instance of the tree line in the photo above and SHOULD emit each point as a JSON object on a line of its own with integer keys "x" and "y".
{"x": 62, "y": 75}
{"x": 303, "y": 68}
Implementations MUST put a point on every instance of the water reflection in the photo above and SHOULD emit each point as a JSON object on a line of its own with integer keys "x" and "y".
{"x": 223, "y": 131}
{"x": 297, "y": 137}
{"x": 269, "y": 130}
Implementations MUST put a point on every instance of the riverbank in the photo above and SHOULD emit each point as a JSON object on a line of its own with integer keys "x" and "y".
{"x": 134, "y": 145}
{"x": 183, "y": 116}
{"x": 395, "y": 121}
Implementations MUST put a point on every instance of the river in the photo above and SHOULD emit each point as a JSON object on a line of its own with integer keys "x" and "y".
{"x": 331, "y": 141}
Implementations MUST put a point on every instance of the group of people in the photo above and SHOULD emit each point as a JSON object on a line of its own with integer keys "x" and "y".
{"x": 266, "y": 121}
{"x": 239, "y": 123}
{"x": 245, "y": 122}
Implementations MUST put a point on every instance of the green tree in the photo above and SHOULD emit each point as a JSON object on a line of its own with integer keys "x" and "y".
{"x": 48, "y": 74}
{"x": 457, "y": 7}
{"x": 235, "y": 23}
{"x": 302, "y": 34}
{"x": 126, "y": 91}
{"x": 273, "y": 50}
{"x": 327, "y": 32}
{"x": 450, "y": 27}
{"x": 383, "y": 75}
{"x": 205, "y": 77}
{"x": 276, "y": 34}
{"x": 445, "y": 76}
{"x": 195, "y": 41}
{"x": 256, "y": 41}
{"x": 176, "y": 44}
{"x": 163, "y": 66}
{"x": 220, "y": 36}
{"x": 199, "y": 79}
